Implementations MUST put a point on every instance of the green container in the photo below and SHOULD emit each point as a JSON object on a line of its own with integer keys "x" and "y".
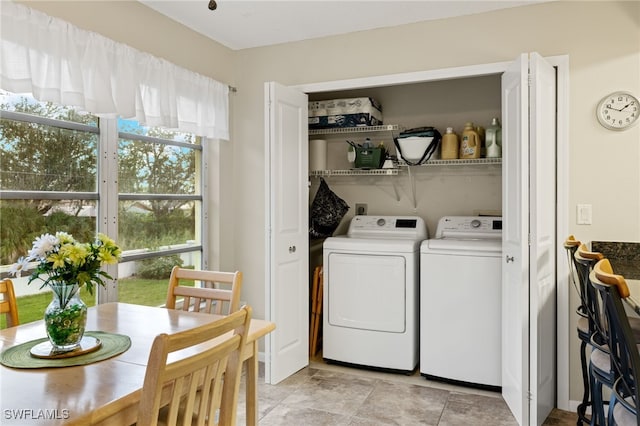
{"x": 369, "y": 158}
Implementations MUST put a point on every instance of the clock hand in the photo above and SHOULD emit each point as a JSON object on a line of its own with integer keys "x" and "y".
{"x": 615, "y": 109}
{"x": 624, "y": 107}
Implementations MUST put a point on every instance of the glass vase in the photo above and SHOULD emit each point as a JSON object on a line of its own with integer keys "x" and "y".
{"x": 65, "y": 317}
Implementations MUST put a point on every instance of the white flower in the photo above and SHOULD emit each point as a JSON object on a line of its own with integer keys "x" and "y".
{"x": 17, "y": 268}
{"x": 42, "y": 245}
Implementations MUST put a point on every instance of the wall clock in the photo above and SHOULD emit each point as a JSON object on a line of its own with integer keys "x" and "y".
{"x": 618, "y": 111}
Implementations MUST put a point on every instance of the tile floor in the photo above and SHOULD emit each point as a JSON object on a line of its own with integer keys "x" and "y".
{"x": 328, "y": 394}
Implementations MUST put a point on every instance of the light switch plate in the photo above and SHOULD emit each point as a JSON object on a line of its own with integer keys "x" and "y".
{"x": 584, "y": 214}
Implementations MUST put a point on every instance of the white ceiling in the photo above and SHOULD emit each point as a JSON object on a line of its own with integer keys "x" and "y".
{"x": 241, "y": 24}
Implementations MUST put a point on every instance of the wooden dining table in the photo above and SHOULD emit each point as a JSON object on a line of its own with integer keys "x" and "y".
{"x": 105, "y": 392}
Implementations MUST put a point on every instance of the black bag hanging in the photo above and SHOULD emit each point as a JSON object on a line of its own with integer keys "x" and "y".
{"x": 326, "y": 212}
{"x": 425, "y": 132}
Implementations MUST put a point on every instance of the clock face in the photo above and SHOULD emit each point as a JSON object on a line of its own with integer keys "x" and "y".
{"x": 618, "y": 111}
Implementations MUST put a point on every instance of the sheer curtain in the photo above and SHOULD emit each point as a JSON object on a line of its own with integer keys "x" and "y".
{"x": 58, "y": 62}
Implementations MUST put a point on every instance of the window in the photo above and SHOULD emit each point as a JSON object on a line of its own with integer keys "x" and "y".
{"x": 160, "y": 205}
{"x": 56, "y": 174}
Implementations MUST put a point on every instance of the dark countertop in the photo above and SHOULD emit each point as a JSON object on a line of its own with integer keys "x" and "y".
{"x": 624, "y": 257}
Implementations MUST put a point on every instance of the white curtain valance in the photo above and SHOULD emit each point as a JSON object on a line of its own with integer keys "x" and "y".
{"x": 58, "y": 62}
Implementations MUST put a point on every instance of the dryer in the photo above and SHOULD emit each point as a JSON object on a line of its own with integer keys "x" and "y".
{"x": 460, "y": 302}
{"x": 371, "y": 293}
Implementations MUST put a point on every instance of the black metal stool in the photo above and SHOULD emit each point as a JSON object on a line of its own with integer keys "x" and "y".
{"x": 584, "y": 330}
{"x": 622, "y": 341}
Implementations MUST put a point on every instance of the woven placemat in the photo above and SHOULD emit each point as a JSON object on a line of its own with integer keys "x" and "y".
{"x": 19, "y": 356}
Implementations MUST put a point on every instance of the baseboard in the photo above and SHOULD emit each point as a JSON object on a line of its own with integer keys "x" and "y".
{"x": 573, "y": 405}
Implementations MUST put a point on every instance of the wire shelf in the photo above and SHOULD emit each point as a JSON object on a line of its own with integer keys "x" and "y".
{"x": 396, "y": 170}
{"x": 354, "y": 172}
{"x": 363, "y": 129}
{"x": 458, "y": 162}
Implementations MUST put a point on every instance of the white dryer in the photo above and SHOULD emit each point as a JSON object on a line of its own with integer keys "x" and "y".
{"x": 460, "y": 301}
{"x": 371, "y": 293}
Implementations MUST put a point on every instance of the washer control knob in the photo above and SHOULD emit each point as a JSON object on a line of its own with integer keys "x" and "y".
{"x": 381, "y": 222}
{"x": 475, "y": 223}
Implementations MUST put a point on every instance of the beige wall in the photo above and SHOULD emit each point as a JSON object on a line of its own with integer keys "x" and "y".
{"x": 602, "y": 40}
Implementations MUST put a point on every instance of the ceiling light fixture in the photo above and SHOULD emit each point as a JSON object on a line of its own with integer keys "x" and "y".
{"x": 212, "y": 5}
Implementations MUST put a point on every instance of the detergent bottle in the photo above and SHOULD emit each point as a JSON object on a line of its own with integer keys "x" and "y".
{"x": 449, "y": 145}
{"x": 494, "y": 139}
{"x": 470, "y": 144}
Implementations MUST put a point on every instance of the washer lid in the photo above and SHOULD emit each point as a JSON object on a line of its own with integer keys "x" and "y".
{"x": 441, "y": 245}
{"x": 371, "y": 245}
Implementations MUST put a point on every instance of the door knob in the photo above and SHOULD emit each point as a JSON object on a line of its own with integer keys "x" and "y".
{"x": 292, "y": 249}
{"x": 509, "y": 258}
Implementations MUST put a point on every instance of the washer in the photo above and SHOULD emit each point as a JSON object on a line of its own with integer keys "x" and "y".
{"x": 460, "y": 302}
{"x": 371, "y": 293}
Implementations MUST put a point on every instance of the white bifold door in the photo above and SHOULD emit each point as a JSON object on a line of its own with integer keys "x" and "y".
{"x": 528, "y": 238}
{"x": 287, "y": 266}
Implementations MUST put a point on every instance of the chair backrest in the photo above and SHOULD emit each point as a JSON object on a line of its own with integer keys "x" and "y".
{"x": 625, "y": 358}
{"x": 8, "y": 304}
{"x": 211, "y": 297}
{"x": 584, "y": 261}
{"x": 571, "y": 242}
{"x": 201, "y": 388}
{"x": 571, "y": 246}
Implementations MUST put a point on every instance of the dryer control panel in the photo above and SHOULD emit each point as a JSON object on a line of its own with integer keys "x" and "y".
{"x": 477, "y": 227}
{"x": 398, "y": 227}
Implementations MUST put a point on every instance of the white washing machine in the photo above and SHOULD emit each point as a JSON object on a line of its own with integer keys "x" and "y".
{"x": 460, "y": 302}
{"x": 371, "y": 293}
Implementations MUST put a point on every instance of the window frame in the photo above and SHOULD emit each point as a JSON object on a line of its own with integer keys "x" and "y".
{"x": 107, "y": 196}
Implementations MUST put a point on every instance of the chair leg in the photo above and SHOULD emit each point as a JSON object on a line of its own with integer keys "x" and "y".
{"x": 612, "y": 403}
{"x": 597, "y": 406}
{"x": 582, "y": 408}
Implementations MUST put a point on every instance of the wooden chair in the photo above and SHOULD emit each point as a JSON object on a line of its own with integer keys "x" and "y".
{"x": 622, "y": 344}
{"x": 201, "y": 388}
{"x": 221, "y": 301}
{"x": 8, "y": 304}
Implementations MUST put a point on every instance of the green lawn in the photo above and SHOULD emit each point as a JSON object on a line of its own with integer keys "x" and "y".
{"x": 130, "y": 290}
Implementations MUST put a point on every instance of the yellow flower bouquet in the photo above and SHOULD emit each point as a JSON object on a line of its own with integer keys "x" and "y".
{"x": 63, "y": 260}
{"x": 65, "y": 265}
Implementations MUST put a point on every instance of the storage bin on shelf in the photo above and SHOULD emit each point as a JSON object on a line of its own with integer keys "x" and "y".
{"x": 349, "y": 112}
{"x": 416, "y": 146}
{"x": 370, "y": 158}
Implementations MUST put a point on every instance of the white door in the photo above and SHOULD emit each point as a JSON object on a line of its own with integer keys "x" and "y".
{"x": 287, "y": 275}
{"x": 515, "y": 279}
{"x": 528, "y": 273}
{"x": 542, "y": 252}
